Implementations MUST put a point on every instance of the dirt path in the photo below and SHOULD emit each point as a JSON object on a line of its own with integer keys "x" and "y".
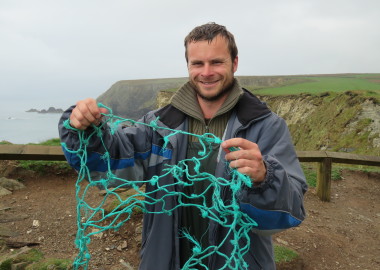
{"x": 342, "y": 234}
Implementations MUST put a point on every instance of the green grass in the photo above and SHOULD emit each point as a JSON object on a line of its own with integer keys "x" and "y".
{"x": 43, "y": 167}
{"x": 6, "y": 265}
{"x": 310, "y": 171}
{"x": 51, "y": 142}
{"x": 284, "y": 254}
{"x": 173, "y": 90}
{"x": 310, "y": 174}
{"x": 317, "y": 85}
{"x": 58, "y": 264}
{"x": 33, "y": 255}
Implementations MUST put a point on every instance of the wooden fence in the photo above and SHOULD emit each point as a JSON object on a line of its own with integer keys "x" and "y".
{"x": 323, "y": 158}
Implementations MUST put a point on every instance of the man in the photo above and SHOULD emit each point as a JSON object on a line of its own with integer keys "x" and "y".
{"x": 212, "y": 101}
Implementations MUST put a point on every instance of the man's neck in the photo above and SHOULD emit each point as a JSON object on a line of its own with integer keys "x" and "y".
{"x": 210, "y": 108}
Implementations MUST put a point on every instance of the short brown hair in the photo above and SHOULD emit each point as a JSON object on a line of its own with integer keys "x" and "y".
{"x": 208, "y": 32}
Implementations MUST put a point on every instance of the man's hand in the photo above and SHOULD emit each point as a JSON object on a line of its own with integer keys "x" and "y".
{"x": 86, "y": 113}
{"x": 247, "y": 159}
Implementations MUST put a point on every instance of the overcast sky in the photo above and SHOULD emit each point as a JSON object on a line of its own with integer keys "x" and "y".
{"x": 65, "y": 50}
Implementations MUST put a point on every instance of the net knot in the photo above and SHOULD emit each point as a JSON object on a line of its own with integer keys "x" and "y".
{"x": 153, "y": 124}
{"x": 204, "y": 213}
{"x": 153, "y": 181}
{"x": 197, "y": 250}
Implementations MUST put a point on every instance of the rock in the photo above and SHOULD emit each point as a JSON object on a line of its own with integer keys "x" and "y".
{"x": 122, "y": 246}
{"x": 4, "y": 191}
{"x": 50, "y": 110}
{"x": 6, "y": 232}
{"x": 126, "y": 265}
{"x": 32, "y": 110}
{"x": 11, "y": 184}
{"x": 138, "y": 229}
{"x": 96, "y": 233}
{"x": 36, "y": 223}
{"x": 280, "y": 241}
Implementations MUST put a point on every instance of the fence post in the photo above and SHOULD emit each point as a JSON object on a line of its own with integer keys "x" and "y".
{"x": 324, "y": 179}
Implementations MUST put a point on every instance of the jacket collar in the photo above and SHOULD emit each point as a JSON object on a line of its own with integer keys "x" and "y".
{"x": 250, "y": 108}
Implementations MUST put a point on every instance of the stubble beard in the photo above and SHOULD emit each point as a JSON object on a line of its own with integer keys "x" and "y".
{"x": 224, "y": 91}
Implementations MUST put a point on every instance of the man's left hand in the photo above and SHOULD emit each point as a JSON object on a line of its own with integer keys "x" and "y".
{"x": 247, "y": 159}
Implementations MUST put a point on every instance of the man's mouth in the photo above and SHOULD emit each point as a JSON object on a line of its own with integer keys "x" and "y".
{"x": 208, "y": 82}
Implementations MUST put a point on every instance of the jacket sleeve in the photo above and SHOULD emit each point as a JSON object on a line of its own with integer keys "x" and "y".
{"x": 277, "y": 203}
{"x": 122, "y": 155}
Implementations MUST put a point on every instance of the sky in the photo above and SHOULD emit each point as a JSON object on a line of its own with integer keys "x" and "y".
{"x": 54, "y": 53}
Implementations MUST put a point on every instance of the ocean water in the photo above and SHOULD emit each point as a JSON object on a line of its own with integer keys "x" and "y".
{"x": 20, "y": 127}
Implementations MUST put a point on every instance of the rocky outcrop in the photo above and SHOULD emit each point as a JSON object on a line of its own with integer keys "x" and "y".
{"x": 8, "y": 185}
{"x": 50, "y": 110}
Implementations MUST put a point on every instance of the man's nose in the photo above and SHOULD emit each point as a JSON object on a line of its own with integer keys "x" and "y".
{"x": 207, "y": 70}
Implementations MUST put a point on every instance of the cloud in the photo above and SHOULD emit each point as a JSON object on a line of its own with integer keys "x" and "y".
{"x": 66, "y": 50}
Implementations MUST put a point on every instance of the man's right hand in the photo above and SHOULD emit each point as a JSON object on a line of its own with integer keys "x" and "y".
{"x": 86, "y": 113}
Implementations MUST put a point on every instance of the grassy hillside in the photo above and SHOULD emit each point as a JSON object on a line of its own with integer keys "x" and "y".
{"x": 368, "y": 83}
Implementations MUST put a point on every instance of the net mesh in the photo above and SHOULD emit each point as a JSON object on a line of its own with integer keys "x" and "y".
{"x": 91, "y": 218}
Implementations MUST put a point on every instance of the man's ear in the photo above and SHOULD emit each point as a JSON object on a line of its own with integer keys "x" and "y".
{"x": 235, "y": 64}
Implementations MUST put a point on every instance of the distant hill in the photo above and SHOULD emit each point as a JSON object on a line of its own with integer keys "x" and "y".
{"x": 134, "y": 98}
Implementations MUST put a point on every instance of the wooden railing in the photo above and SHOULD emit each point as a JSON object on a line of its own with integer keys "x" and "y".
{"x": 323, "y": 158}
{"x": 31, "y": 152}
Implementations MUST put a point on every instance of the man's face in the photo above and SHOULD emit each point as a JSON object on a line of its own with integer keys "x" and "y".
{"x": 211, "y": 69}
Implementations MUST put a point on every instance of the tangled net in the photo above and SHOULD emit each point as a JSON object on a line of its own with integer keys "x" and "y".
{"x": 91, "y": 219}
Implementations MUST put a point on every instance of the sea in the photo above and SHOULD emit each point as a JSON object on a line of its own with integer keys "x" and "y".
{"x": 20, "y": 127}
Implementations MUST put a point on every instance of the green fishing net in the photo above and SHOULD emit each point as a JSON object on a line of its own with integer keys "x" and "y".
{"x": 90, "y": 218}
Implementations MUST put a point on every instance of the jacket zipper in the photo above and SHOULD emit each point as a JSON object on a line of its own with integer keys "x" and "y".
{"x": 223, "y": 191}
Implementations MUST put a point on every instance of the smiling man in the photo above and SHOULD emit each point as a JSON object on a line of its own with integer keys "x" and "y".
{"x": 211, "y": 101}
{"x": 211, "y": 68}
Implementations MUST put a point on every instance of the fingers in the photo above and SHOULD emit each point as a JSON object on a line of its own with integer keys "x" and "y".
{"x": 85, "y": 114}
{"x": 237, "y": 143}
{"x": 245, "y": 149}
{"x": 247, "y": 159}
{"x": 254, "y": 169}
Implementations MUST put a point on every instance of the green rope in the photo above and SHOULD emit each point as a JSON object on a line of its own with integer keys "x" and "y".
{"x": 90, "y": 219}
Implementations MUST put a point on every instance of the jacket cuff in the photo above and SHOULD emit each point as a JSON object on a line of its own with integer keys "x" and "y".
{"x": 266, "y": 183}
